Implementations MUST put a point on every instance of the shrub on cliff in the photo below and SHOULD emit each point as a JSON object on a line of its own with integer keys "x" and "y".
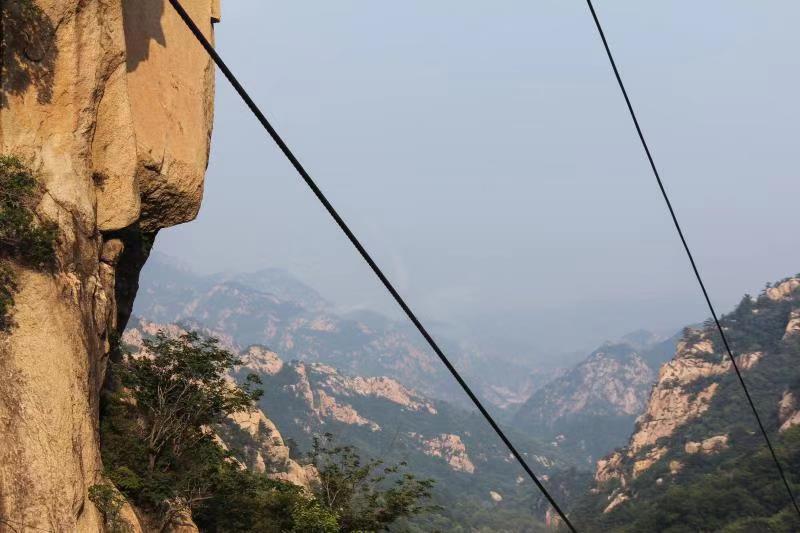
{"x": 160, "y": 450}
{"x": 155, "y": 435}
{"x": 23, "y": 238}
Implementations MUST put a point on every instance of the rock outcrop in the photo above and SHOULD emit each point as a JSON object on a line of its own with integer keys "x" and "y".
{"x": 450, "y": 448}
{"x": 326, "y": 392}
{"x": 110, "y": 103}
{"x": 270, "y": 454}
{"x": 675, "y": 400}
{"x": 692, "y": 407}
{"x": 591, "y": 409}
{"x": 788, "y": 411}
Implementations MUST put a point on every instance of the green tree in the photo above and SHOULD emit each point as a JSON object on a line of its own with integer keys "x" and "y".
{"x": 366, "y": 495}
{"x": 158, "y": 441}
{"x": 157, "y": 429}
{"x": 243, "y": 501}
{"x": 181, "y": 388}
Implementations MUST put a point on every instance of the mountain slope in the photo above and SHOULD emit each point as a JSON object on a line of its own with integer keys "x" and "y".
{"x": 476, "y": 476}
{"x": 697, "y": 431}
{"x": 591, "y": 409}
{"x": 254, "y": 439}
{"x": 272, "y": 308}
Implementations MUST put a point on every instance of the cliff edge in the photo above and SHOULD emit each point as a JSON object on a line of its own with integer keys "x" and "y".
{"x": 110, "y": 103}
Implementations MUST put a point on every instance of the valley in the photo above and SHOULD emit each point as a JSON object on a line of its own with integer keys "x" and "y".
{"x": 369, "y": 382}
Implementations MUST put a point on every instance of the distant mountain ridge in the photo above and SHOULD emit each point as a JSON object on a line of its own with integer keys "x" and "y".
{"x": 591, "y": 409}
{"x": 272, "y": 308}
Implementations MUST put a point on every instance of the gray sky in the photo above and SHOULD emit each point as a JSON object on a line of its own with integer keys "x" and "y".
{"x": 483, "y": 153}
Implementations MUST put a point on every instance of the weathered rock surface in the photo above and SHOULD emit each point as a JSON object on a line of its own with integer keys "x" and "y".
{"x": 110, "y": 103}
{"x": 450, "y": 448}
{"x": 271, "y": 455}
{"x": 673, "y": 402}
{"x": 707, "y": 446}
{"x": 788, "y": 411}
{"x": 604, "y": 392}
{"x": 690, "y": 391}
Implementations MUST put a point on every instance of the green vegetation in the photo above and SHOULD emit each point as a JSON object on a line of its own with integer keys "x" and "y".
{"x": 243, "y": 501}
{"x": 740, "y": 494}
{"x": 154, "y": 438}
{"x": 366, "y": 495}
{"x": 110, "y": 502}
{"x": 180, "y": 391}
{"x": 735, "y": 490}
{"x": 159, "y": 447}
{"x": 23, "y": 240}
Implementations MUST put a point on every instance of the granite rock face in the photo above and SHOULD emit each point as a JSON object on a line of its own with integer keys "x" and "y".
{"x": 592, "y": 408}
{"x": 110, "y": 103}
{"x": 686, "y": 413}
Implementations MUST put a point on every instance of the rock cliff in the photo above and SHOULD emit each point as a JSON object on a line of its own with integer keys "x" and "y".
{"x": 696, "y": 417}
{"x": 110, "y": 103}
{"x": 591, "y": 409}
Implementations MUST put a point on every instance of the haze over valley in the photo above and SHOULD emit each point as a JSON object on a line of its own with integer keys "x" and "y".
{"x": 188, "y": 344}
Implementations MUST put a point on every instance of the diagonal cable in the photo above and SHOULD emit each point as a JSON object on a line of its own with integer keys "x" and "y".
{"x": 691, "y": 257}
{"x": 362, "y": 251}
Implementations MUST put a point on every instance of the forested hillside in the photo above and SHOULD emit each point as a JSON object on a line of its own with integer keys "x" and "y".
{"x": 696, "y": 460}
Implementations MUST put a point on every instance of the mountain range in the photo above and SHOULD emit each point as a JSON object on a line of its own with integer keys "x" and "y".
{"x": 270, "y": 307}
{"x": 478, "y": 481}
{"x": 370, "y": 381}
{"x": 354, "y": 378}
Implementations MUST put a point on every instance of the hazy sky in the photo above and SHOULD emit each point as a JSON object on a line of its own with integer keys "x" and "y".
{"x": 483, "y": 153}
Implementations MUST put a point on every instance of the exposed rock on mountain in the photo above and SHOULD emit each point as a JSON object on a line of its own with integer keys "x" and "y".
{"x": 265, "y": 451}
{"x": 788, "y": 411}
{"x": 110, "y": 104}
{"x": 592, "y": 408}
{"x": 451, "y": 449}
{"x": 697, "y": 420}
{"x": 381, "y": 417}
{"x": 271, "y": 308}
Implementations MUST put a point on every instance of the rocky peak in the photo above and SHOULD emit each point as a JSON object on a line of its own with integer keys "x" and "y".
{"x": 783, "y": 290}
{"x": 267, "y": 451}
{"x": 261, "y": 360}
{"x": 788, "y": 411}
